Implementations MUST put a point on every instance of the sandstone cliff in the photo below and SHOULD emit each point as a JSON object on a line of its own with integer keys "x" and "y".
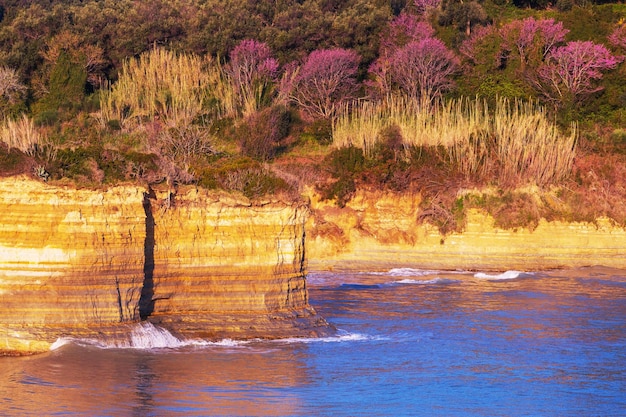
{"x": 86, "y": 263}
{"x": 226, "y": 268}
{"x": 381, "y": 230}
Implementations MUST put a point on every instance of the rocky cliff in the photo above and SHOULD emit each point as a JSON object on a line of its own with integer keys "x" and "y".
{"x": 226, "y": 268}
{"x": 93, "y": 263}
{"x": 382, "y": 230}
{"x": 86, "y": 263}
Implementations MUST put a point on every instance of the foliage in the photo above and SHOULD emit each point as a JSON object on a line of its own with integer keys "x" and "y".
{"x": 515, "y": 142}
{"x": 533, "y": 40}
{"x": 159, "y": 84}
{"x": 65, "y": 90}
{"x": 344, "y": 165}
{"x": 568, "y": 73}
{"x": 423, "y": 6}
{"x": 12, "y": 90}
{"x": 617, "y": 38}
{"x": 261, "y": 133}
{"x": 251, "y": 70}
{"x": 244, "y": 175}
{"x": 465, "y": 15}
{"x": 11, "y": 160}
{"x": 403, "y": 29}
{"x": 423, "y": 68}
{"x": 21, "y": 134}
{"x": 325, "y": 81}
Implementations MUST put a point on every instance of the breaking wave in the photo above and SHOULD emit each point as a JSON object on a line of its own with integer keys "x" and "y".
{"x": 434, "y": 281}
{"x": 503, "y": 276}
{"x": 143, "y": 336}
{"x": 341, "y": 336}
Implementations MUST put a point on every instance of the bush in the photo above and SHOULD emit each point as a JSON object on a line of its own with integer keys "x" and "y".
{"x": 261, "y": 133}
{"x": 344, "y": 165}
{"x": 244, "y": 175}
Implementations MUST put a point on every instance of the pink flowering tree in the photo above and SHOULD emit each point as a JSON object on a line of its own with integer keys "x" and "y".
{"x": 570, "y": 72}
{"x": 533, "y": 39}
{"x": 325, "y": 81}
{"x": 424, "y": 68}
{"x": 401, "y": 31}
{"x": 251, "y": 69}
{"x": 618, "y": 37}
{"x": 474, "y": 46}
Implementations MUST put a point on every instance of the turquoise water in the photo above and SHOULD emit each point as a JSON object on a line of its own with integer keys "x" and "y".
{"x": 409, "y": 343}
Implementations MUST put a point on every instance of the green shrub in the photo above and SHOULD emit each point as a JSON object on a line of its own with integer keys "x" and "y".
{"x": 66, "y": 89}
{"x": 244, "y": 175}
{"x": 344, "y": 166}
{"x": 261, "y": 133}
{"x": 11, "y": 161}
{"x": 320, "y": 131}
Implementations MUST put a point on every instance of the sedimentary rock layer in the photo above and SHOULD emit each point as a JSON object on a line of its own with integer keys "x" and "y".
{"x": 382, "y": 230}
{"x": 226, "y": 268}
{"x": 87, "y": 263}
{"x": 71, "y": 261}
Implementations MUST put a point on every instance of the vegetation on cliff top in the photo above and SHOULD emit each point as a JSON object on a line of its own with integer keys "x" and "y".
{"x": 264, "y": 98}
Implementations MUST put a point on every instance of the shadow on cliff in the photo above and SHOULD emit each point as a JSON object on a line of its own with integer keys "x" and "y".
{"x": 146, "y": 302}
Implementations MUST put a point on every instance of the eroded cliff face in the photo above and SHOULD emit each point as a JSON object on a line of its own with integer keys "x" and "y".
{"x": 226, "y": 268}
{"x": 381, "y": 230}
{"x": 87, "y": 264}
{"x": 71, "y": 262}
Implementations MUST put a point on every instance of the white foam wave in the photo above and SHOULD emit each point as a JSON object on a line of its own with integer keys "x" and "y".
{"x": 503, "y": 276}
{"x": 437, "y": 280}
{"x": 144, "y": 336}
{"x": 411, "y": 272}
{"x": 415, "y": 272}
{"x": 338, "y": 338}
{"x": 60, "y": 342}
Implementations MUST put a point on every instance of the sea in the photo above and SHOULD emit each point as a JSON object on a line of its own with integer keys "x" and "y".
{"x": 409, "y": 342}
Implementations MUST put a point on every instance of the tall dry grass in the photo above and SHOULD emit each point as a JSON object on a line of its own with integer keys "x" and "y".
{"x": 529, "y": 145}
{"x": 361, "y": 127}
{"x": 516, "y": 140}
{"x": 22, "y": 134}
{"x": 176, "y": 88}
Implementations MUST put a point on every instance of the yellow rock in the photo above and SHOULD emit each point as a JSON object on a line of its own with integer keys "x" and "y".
{"x": 381, "y": 230}
{"x": 86, "y": 263}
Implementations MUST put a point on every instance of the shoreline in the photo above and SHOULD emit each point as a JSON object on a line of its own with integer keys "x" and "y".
{"x": 204, "y": 264}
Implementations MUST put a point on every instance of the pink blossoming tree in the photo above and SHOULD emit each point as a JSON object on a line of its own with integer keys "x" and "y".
{"x": 251, "y": 70}
{"x": 569, "y": 72}
{"x": 424, "y": 68}
{"x": 533, "y": 39}
{"x": 618, "y": 37}
{"x": 325, "y": 81}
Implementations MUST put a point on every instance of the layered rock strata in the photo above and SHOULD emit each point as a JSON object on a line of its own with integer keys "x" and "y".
{"x": 383, "y": 230}
{"x": 71, "y": 262}
{"x": 226, "y": 268}
{"x": 87, "y": 264}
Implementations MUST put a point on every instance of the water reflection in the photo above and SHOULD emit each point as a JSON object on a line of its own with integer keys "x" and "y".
{"x": 198, "y": 381}
{"x": 447, "y": 344}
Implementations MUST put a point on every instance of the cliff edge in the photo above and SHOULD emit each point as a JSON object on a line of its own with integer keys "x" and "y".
{"x": 382, "y": 230}
{"x": 89, "y": 263}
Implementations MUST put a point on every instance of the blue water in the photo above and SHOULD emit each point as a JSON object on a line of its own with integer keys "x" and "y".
{"x": 410, "y": 343}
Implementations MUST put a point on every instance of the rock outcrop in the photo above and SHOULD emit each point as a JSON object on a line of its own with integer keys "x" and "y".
{"x": 88, "y": 263}
{"x": 226, "y": 268}
{"x": 382, "y": 230}
{"x": 94, "y": 263}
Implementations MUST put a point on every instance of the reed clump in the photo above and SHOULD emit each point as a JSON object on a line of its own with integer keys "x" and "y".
{"x": 22, "y": 134}
{"x": 175, "y": 88}
{"x": 514, "y": 141}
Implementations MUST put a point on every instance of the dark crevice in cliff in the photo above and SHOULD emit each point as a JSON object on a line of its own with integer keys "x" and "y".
{"x": 119, "y": 298}
{"x": 146, "y": 302}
